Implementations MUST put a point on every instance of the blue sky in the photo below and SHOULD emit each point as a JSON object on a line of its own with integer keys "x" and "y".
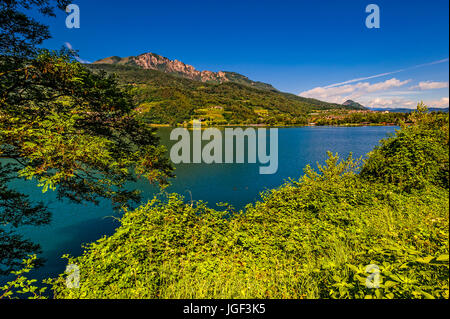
{"x": 302, "y": 47}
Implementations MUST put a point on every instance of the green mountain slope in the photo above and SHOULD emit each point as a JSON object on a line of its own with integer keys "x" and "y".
{"x": 353, "y": 104}
{"x": 169, "y": 99}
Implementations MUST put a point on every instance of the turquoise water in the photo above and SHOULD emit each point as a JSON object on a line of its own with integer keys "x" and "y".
{"x": 237, "y": 184}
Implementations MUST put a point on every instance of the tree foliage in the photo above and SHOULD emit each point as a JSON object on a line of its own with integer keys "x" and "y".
{"x": 67, "y": 127}
{"x": 63, "y": 126}
{"x": 19, "y": 32}
{"x": 416, "y": 157}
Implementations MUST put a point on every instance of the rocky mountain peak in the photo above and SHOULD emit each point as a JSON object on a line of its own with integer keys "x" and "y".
{"x": 152, "y": 61}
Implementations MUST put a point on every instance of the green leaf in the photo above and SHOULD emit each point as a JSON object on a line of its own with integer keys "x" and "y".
{"x": 442, "y": 258}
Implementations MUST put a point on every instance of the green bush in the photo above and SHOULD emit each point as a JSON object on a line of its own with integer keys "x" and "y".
{"x": 310, "y": 238}
{"x": 416, "y": 156}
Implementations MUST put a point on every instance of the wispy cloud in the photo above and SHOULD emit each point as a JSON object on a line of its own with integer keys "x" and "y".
{"x": 393, "y": 102}
{"x": 389, "y": 93}
{"x": 444, "y": 102}
{"x": 400, "y": 102}
{"x": 387, "y": 73}
{"x": 430, "y": 85}
{"x": 75, "y": 54}
{"x": 339, "y": 94}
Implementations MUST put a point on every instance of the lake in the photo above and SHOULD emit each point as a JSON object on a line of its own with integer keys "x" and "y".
{"x": 237, "y": 184}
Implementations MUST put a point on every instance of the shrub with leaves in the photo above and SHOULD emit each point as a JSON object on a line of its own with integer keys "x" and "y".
{"x": 21, "y": 286}
{"x": 310, "y": 238}
{"x": 416, "y": 156}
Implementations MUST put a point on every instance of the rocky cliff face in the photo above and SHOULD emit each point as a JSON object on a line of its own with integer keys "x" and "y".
{"x": 156, "y": 62}
{"x": 152, "y": 61}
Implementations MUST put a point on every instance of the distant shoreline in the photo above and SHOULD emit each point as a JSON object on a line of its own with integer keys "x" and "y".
{"x": 274, "y": 126}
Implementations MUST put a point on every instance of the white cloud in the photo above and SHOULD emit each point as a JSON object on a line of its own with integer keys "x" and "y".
{"x": 387, "y": 73}
{"x": 388, "y": 84}
{"x": 75, "y": 54}
{"x": 339, "y": 94}
{"x": 398, "y": 102}
{"x": 429, "y": 85}
{"x": 393, "y": 102}
{"x": 444, "y": 102}
{"x": 379, "y": 95}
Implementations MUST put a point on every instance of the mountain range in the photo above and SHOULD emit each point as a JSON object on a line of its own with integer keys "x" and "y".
{"x": 172, "y": 92}
{"x": 152, "y": 61}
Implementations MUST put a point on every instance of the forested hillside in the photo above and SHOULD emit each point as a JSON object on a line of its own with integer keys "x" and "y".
{"x": 168, "y": 99}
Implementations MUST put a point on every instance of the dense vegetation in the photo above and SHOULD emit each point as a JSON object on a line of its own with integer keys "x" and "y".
{"x": 311, "y": 238}
{"x": 76, "y": 131}
{"x": 169, "y": 99}
{"x": 331, "y": 117}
